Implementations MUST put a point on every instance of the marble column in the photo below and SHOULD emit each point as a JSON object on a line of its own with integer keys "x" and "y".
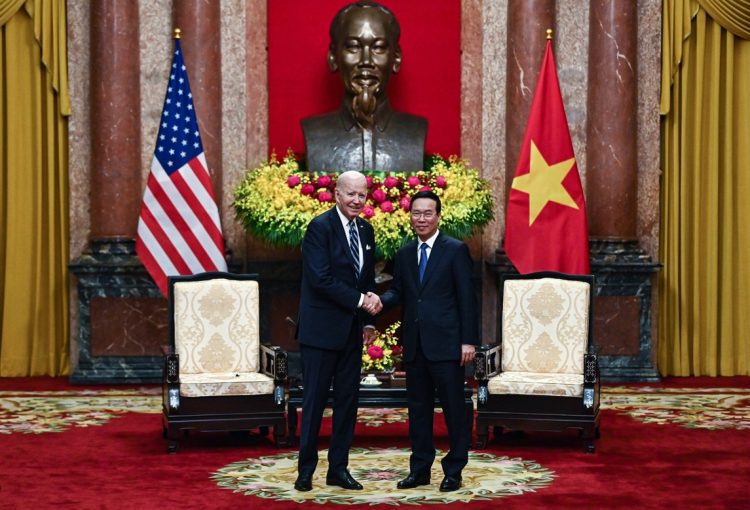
{"x": 611, "y": 130}
{"x": 122, "y": 315}
{"x": 200, "y": 22}
{"x": 115, "y": 120}
{"x": 528, "y": 21}
{"x": 622, "y": 322}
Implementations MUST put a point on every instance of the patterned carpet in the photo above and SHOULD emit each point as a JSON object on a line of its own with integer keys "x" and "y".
{"x": 487, "y": 477}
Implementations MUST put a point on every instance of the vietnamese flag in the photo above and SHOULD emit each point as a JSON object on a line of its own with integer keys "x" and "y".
{"x": 545, "y": 220}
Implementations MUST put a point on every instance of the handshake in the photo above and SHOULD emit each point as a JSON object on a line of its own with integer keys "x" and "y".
{"x": 372, "y": 304}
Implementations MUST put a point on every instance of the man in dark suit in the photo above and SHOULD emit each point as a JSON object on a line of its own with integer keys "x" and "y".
{"x": 439, "y": 329}
{"x": 338, "y": 277}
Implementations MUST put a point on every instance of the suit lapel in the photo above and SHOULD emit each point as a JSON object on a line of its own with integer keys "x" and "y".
{"x": 339, "y": 234}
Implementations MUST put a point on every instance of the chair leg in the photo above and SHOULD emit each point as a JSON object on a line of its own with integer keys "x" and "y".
{"x": 278, "y": 436}
{"x": 482, "y": 434}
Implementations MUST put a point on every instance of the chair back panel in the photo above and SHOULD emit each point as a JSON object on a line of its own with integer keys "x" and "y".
{"x": 216, "y": 327}
{"x": 545, "y": 325}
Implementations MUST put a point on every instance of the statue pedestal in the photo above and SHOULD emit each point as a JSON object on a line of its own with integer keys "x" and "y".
{"x": 622, "y": 308}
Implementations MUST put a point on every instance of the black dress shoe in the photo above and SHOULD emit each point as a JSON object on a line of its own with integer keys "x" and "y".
{"x": 343, "y": 479}
{"x": 414, "y": 480}
{"x": 303, "y": 483}
{"x": 450, "y": 484}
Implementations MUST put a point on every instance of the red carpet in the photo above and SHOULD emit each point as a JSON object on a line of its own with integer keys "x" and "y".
{"x": 681, "y": 444}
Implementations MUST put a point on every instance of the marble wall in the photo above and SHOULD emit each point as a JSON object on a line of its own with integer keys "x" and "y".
{"x": 483, "y": 120}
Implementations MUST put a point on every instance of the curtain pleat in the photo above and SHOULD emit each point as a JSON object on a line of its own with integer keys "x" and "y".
{"x": 704, "y": 244}
{"x": 34, "y": 193}
{"x": 732, "y": 15}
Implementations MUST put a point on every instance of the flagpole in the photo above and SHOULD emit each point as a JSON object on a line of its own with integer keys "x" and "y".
{"x": 178, "y": 32}
{"x": 549, "y": 34}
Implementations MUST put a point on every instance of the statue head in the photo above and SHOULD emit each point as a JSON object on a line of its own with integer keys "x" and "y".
{"x": 364, "y": 48}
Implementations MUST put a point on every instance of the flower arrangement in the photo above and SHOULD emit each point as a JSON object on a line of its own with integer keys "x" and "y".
{"x": 383, "y": 353}
{"x": 277, "y": 200}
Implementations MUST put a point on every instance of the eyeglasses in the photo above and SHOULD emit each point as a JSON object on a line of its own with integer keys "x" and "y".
{"x": 428, "y": 215}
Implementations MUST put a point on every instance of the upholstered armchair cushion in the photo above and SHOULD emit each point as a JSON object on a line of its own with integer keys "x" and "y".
{"x": 545, "y": 330}
{"x": 216, "y": 334}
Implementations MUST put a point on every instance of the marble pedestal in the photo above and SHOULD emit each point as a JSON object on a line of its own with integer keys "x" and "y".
{"x": 622, "y": 308}
{"x": 122, "y": 317}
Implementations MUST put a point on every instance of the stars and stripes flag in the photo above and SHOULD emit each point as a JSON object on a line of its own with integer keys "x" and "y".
{"x": 179, "y": 231}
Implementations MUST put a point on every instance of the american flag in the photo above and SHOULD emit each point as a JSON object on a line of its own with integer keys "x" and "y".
{"x": 179, "y": 231}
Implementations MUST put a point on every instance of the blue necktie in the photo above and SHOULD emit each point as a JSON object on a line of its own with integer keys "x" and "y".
{"x": 354, "y": 245}
{"x": 422, "y": 261}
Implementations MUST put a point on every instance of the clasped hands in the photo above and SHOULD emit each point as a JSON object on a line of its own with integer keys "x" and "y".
{"x": 372, "y": 304}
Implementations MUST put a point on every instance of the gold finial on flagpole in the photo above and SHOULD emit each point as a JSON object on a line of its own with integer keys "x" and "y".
{"x": 177, "y": 33}
{"x": 549, "y": 34}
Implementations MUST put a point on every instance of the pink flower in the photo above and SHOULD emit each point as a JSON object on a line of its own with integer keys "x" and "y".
{"x": 368, "y": 178}
{"x": 440, "y": 181}
{"x": 324, "y": 196}
{"x": 323, "y": 181}
{"x": 413, "y": 181}
{"x": 405, "y": 203}
{"x": 425, "y": 188}
{"x": 390, "y": 182}
{"x": 378, "y": 195}
{"x": 307, "y": 189}
{"x": 396, "y": 350}
{"x": 375, "y": 352}
{"x": 386, "y": 206}
{"x": 293, "y": 180}
{"x": 368, "y": 211}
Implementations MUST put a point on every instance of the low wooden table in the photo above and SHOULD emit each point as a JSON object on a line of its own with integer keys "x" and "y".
{"x": 390, "y": 394}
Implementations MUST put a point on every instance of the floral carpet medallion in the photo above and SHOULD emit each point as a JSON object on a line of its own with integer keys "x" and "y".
{"x": 377, "y": 417}
{"x": 698, "y": 408}
{"x": 486, "y": 477}
{"x": 36, "y": 412}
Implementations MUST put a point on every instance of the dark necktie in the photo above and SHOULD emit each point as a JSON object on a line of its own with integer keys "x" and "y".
{"x": 422, "y": 261}
{"x": 354, "y": 245}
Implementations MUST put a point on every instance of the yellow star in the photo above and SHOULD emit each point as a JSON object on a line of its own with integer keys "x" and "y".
{"x": 544, "y": 183}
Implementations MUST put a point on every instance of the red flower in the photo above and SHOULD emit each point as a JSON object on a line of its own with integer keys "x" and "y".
{"x": 378, "y": 195}
{"x": 368, "y": 211}
{"x": 307, "y": 189}
{"x": 440, "y": 181}
{"x": 368, "y": 178}
{"x": 324, "y": 196}
{"x": 413, "y": 181}
{"x": 396, "y": 350}
{"x": 390, "y": 182}
{"x": 324, "y": 181}
{"x": 425, "y": 188}
{"x": 386, "y": 206}
{"x": 375, "y": 352}
{"x": 405, "y": 203}
{"x": 293, "y": 180}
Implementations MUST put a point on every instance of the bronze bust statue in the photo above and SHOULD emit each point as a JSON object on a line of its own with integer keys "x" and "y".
{"x": 364, "y": 133}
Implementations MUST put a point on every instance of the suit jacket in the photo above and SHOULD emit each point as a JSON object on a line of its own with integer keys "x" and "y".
{"x": 441, "y": 312}
{"x": 334, "y": 142}
{"x": 330, "y": 289}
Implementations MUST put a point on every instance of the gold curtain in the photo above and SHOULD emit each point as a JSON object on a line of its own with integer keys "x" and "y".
{"x": 33, "y": 188}
{"x": 704, "y": 291}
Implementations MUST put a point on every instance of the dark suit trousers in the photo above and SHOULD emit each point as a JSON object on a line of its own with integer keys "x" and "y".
{"x": 423, "y": 379}
{"x": 321, "y": 368}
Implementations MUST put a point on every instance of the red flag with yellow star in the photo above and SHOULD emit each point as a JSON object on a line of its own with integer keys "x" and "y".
{"x": 545, "y": 220}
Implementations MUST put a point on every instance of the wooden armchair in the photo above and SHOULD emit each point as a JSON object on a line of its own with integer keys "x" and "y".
{"x": 217, "y": 374}
{"x": 544, "y": 375}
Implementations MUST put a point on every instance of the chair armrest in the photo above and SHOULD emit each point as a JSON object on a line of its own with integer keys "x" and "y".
{"x": 171, "y": 373}
{"x": 273, "y": 362}
{"x": 591, "y": 381}
{"x": 487, "y": 362}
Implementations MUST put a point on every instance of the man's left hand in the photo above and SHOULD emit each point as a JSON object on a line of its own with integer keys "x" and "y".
{"x": 467, "y": 354}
